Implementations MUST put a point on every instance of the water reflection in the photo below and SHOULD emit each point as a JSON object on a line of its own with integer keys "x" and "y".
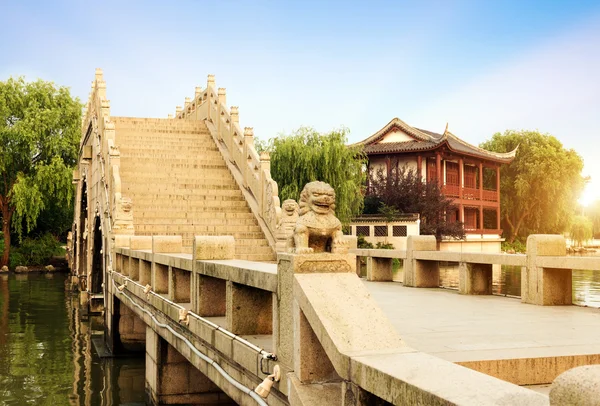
{"x": 46, "y": 351}
{"x": 507, "y": 282}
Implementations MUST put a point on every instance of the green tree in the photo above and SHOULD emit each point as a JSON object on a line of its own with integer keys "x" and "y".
{"x": 306, "y": 156}
{"x": 39, "y": 134}
{"x": 539, "y": 189}
{"x": 581, "y": 230}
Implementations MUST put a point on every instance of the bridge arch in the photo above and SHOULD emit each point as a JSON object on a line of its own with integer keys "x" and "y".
{"x": 97, "y": 266}
{"x": 81, "y": 236}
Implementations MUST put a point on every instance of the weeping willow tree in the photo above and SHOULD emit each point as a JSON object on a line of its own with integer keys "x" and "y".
{"x": 39, "y": 136}
{"x": 307, "y": 155}
{"x": 581, "y": 230}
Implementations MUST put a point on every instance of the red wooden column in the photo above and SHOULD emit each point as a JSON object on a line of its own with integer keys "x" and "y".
{"x": 419, "y": 166}
{"x": 498, "y": 183}
{"x": 461, "y": 184}
{"x": 438, "y": 168}
{"x": 481, "y": 196}
{"x": 498, "y": 218}
{"x": 388, "y": 165}
{"x": 480, "y": 181}
{"x": 498, "y": 197}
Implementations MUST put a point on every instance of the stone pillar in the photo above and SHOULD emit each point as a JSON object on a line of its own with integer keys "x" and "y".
{"x": 249, "y": 310}
{"x": 298, "y": 348}
{"x": 358, "y": 266}
{"x": 419, "y": 273}
{"x": 162, "y": 274}
{"x": 379, "y": 269}
{"x": 209, "y": 295}
{"x": 172, "y": 379}
{"x": 475, "y": 279}
{"x": 577, "y": 386}
{"x": 546, "y": 286}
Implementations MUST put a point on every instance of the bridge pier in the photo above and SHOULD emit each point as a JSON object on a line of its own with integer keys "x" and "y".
{"x": 249, "y": 310}
{"x": 172, "y": 380}
{"x": 379, "y": 269}
{"x": 541, "y": 285}
{"x": 475, "y": 279}
{"x": 124, "y": 330}
{"x": 210, "y": 296}
{"x": 421, "y": 273}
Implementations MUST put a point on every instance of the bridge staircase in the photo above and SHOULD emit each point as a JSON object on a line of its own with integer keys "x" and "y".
{"x": 179, "y": 184}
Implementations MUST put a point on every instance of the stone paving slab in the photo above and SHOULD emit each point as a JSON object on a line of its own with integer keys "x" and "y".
{"x": 473, "y": 330}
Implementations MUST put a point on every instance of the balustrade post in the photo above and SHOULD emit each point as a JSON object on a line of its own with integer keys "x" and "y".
{"x": 248, "y": 144}
{"x": 234, "y": 122}
{"x": 475, "y": 279}
{"x": 222, "y": 102}
{"x": 419, "y": 273}
{"x": 265, "y": 167}
{"x": 186, "y": 107}
{"x": 210, "y": 86}
{"x": 546, "y": 286}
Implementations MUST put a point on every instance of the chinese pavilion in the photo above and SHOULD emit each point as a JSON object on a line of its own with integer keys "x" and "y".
{"x": 468, "y": 174}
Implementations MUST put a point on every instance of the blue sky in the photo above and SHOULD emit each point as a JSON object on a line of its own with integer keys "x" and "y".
{"x": 482, "y": 66}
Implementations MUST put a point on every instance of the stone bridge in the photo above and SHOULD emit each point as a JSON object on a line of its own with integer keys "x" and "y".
{"x": 175, "y": 239}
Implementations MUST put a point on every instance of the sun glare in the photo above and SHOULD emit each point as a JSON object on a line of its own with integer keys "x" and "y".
{"x": 590, "y": 194}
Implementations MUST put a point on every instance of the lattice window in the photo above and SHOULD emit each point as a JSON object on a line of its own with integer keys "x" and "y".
{"x": 470, "y": 177}
{"x": 381, "y": 231}
{"x": 365, "y": 231}
{"x": 399, "y": 231}
{"x": 452, "y": 174}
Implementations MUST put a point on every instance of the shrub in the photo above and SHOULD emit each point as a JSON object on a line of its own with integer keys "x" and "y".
{"x": 362, "y": 243}
{"x": 35, "y": 251}
{"x": 516, "y": 246}
{"x": 384, "y": 246}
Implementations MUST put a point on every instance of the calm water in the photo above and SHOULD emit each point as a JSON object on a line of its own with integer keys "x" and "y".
{"x": 46, "y": 351}
{"x": 586, "y": 284}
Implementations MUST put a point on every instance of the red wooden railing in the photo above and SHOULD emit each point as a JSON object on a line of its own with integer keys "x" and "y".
{"x": 470, "y": 193}
{"x": 451, "y": 190}
{"x": 490, "y": 196}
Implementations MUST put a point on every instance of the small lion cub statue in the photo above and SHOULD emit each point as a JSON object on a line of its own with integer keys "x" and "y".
{"x": 317, "y": 228}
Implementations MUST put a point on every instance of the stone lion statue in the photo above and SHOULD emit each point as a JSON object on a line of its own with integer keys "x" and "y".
{"x": 289, "y": 215}
{"x": 317, "y": 228}
{"x": 286, "y": 223}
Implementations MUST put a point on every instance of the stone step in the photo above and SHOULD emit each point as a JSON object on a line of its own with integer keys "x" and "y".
{"x": 192, "y": 201}
{"x": 240, "y": 232}
{"x": 239, "y": 218}
{"x": 165, "y": 166}
{"x": 192, "y": 206}
{"x": 189, "y": 195}
{"x": 185, "y": 189}
{"x": 188, "y": 213}
{"x": 185, "y": 152}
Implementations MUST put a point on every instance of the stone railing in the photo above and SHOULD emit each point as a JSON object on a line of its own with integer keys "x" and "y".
{"x": 251, "y": 170}
{"x": 307, "y": 314}
{"x": 546, "y": 270}
{"x": 99, "y": 139}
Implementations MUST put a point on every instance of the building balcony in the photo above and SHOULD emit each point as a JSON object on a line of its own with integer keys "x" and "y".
{"x": 469, "y": 193}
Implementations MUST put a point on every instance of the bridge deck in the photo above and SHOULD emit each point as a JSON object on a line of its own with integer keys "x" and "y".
{"x": 479, "y": 329}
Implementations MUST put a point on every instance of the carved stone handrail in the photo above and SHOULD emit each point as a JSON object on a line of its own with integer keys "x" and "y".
{"x": 251, "y": 170}
{"x": 97, "y": 124}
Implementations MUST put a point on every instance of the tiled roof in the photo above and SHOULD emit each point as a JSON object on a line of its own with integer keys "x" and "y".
{"x": 425, "y": 140}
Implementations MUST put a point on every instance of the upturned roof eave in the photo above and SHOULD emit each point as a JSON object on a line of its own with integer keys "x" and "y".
{"x": 395, "y": 122}
{"x": 499, "y": 157}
